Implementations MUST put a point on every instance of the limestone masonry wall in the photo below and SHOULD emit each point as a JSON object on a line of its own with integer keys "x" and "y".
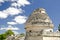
{"x": 39, "y": 26}
{"x": 51, "y": 36}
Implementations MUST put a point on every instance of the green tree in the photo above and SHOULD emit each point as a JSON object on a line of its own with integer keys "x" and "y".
{"x": 2, "y": 36}
{"x": 9, "y": 33}
{"x": 6, "y": 34}
{"x": 59, "y": 27}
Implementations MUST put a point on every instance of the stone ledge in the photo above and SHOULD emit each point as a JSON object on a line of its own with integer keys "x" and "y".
{"x": 52, "y": 34}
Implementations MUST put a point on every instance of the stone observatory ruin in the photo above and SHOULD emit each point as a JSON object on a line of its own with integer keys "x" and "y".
{"x": 39, "y": 26}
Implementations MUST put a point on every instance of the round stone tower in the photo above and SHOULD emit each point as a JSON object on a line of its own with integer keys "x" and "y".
{"x": 36, "y": 23}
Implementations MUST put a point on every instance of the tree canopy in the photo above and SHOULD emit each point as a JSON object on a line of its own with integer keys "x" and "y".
{"x": 6, "y": 34}
{"x": 9, "y": 32}
{"x": 59, "y": 27}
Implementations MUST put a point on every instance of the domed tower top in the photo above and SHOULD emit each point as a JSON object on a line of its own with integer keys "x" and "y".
{"x": 41, "y": 10}
{"x": 39, "y": 18}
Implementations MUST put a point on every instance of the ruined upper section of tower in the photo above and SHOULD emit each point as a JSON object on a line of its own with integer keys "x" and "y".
{"x": 39, "y": 17}
{"x": 41, "y": 10}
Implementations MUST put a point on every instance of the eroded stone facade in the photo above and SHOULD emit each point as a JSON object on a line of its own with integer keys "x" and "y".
{"x": 36, "y": 25}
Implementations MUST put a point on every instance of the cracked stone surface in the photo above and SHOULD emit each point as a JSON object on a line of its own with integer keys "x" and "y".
{"x": 36, "y": 23}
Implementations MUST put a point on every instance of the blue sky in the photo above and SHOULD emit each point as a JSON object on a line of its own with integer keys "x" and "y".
{"x": 15, "y": 15}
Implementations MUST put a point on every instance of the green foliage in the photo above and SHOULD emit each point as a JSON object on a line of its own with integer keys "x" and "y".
{"x": 59, "y": 27}
{"x": 22, "y": 34}
{"x": 6, "y": 34}
{"x": 9, "y": 33}
{"x": 2, "y": 36}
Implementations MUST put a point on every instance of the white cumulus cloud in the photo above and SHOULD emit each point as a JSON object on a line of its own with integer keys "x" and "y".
{"x": 20, "y": 19}
{"x": 10, "y": 11}
{"x": 23, "y": 2}
{"x": 13, "y": 11}
{"x": 1, "y": 1}
{"x": 20, "y": 3}
{"x": 9, "y": 28}
{"x": 15, "y": 7}
{"x": 11, "y": 23}
{"x": 3, "y": 15}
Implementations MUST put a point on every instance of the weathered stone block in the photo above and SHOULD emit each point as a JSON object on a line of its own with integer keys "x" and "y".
{"x": 36, "y": 23}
